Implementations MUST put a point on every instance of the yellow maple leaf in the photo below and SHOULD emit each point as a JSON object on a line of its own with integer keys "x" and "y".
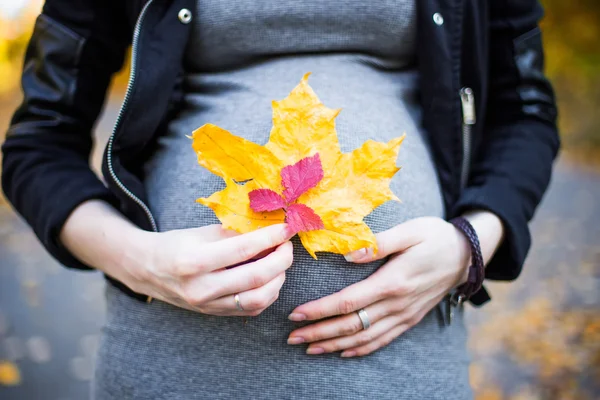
{"x": 352, "y": 184}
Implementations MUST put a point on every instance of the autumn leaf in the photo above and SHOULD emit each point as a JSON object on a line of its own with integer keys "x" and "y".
{"x": 9, "y": 374}
{"x": 296, "y": 180}
{"x": 265, "y": 200}
{"x": 300, "y": 176}
{"x": 302, "y": 218}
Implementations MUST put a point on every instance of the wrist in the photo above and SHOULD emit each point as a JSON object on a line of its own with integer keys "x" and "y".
{"x": 476, "y": 269}
{"x": 133, "y": 256}
{"x": 464, "y": 256}
{"x": 101, "y": 237}
{"x": 489, "y": 229}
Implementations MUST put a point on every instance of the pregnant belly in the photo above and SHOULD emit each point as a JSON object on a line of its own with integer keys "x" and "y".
{"x": 173, "y": 181}
{"x": 308, "y": 279}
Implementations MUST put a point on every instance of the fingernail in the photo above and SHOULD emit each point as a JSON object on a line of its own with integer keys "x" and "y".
{"x": 296, "y": 317}
{"x": 357, "y": 255}
{"x": 315, "y": 350}
{"x": 348, "y": 353}
{"x": 295, "y": 340}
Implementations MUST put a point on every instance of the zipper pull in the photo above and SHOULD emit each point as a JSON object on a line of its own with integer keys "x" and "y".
{"x": 449, "y": 310}
{"x": 454, "y": 301}
{"x": 467, "y": 99}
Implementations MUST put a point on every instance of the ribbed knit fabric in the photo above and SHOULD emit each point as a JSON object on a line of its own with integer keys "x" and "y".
{"x": 243, "y": 54}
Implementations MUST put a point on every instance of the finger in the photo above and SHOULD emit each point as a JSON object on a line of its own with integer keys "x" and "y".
{"x": 394, "y": 240}
{"x": 237, "y": 249}
{"x": 411, "y": 316}
{"x": 260, "y": 255}
{"x": 212, "y": 233}
{"x": 341, "y": 326}
{"x": 377, "y": 343}
{"x": 157, "y": 296}
{"x": 358, "y": 339}
{"x": 250, "y": 300}
{"x": 350, "y": 299}
{"x": 247, "y": 276}
{"x": 345, "y": 325}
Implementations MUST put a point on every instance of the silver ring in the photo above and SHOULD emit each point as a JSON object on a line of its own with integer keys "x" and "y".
{"x": 236, "y": 298}
{"x": 364, "y": 318}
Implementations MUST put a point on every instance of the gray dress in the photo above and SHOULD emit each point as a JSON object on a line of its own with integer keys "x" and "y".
{"x": 242, "y": 54}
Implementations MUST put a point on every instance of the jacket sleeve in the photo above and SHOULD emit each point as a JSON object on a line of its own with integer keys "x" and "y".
{"x": 513, "y": 164}
{"x": 75, "y": 48}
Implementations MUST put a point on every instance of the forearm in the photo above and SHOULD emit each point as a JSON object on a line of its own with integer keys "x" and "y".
{"x": 101, "y": 237}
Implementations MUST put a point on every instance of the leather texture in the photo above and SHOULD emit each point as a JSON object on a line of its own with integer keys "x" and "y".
{"x": 534, "y": 89}
{"x": 50, "y": 72}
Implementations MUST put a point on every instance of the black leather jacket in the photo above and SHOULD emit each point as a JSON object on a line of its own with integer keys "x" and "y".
{"x": 476, "y": 57}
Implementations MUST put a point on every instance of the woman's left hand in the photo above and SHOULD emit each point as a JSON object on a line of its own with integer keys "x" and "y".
{"x": 429, "y": 257}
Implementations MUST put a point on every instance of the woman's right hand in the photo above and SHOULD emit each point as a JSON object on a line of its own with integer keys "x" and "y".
{"x": 188, "y": 268}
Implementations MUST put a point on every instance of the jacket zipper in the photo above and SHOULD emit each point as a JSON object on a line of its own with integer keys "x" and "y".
{"x": 132, "y": 77}
{"x": 467, "y": 100}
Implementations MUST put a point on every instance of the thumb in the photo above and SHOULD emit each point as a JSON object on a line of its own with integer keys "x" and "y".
{"x": 394, "y": 240}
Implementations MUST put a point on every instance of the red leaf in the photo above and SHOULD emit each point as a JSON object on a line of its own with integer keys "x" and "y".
{"x": 265, "y": 200}
{"x": 298, "y": 178}
{"x": 302, "y": 218}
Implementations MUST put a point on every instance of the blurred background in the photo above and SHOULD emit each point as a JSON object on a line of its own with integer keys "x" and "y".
{"x": 538, "y": 339}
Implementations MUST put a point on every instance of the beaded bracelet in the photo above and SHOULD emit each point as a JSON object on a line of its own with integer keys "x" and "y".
{"x": 476, "y": 269}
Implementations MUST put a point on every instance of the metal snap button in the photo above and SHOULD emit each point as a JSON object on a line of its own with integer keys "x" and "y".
{"x": 185, "y": 16}
{"x": 438, "y": 19}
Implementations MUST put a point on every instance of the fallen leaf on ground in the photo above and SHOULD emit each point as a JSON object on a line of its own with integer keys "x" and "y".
{"x": 9, "y": 374}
